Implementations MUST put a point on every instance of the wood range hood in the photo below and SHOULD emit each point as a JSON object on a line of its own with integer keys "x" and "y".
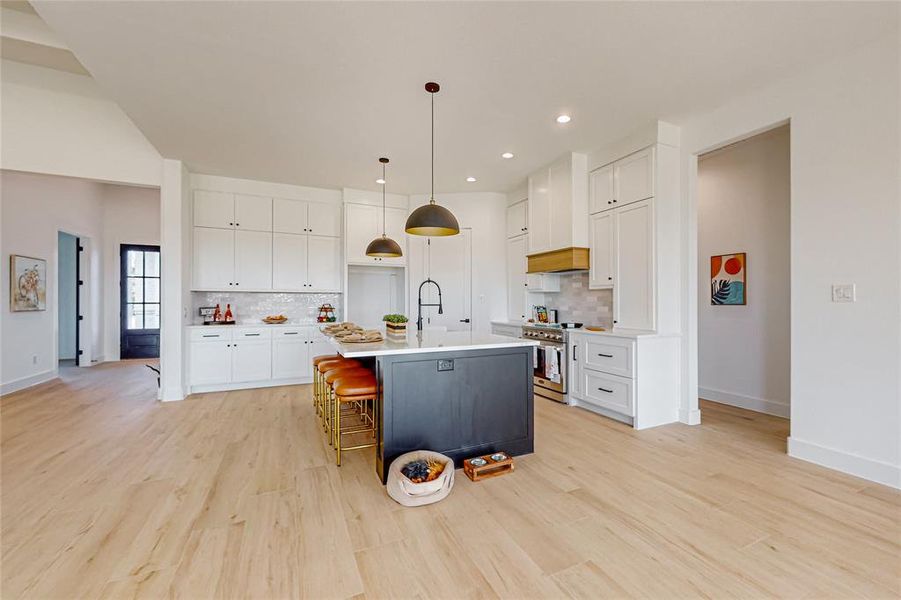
{"x": 564, "y": 260}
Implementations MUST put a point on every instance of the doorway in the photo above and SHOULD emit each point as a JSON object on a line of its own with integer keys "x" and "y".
{"x": 140, "y": 301}
{"x": 447, "y": 261}
{"x": 67, "y": 267}
{"x": 744, "y": 274}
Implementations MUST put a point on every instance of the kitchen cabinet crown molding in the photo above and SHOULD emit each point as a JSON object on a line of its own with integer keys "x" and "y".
{"x": 371, "y": 198}
{"x": 216, "y": 183}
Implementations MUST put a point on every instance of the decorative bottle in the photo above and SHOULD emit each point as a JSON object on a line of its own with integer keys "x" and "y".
{"x": 228, "y": 313}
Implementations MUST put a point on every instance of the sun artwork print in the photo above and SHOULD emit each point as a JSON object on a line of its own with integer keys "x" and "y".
{"x": 727, "y": 279}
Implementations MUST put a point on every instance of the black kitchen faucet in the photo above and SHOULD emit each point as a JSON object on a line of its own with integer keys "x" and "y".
{"x": 420, "y": 304}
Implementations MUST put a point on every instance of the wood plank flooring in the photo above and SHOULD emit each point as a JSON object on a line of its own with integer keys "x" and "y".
{"x": 108, "y": 494}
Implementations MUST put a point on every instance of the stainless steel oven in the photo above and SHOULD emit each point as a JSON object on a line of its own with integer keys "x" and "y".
{"x": 550, "y": 358}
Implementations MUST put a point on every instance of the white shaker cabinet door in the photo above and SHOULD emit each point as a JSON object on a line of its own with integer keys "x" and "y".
{"x": 324, "y": 219}
{"x": 516, "y": 278}
{"x": 601, "y": 250}
{"x": 210, "y": 362}
{"x": 323, "y": 263}
{"x": 634, "y": 177}
{"x": 291, "y": 355}
{"x": 289, "y": 216}
{"x": 214, "y": 259}
{"x": 517, "y": 216}
{"x": 362, "y": 224}
{"x": 253, "y": 213}
{"x": 289, "y": 262}
{"x": 253, "y": 260}
{"x": 601, "y": 190}
{"x": 539, "y": 213}
{"x": 633, "y": 285}
{"x": 214, "y": 209}
{"x": 251, "y": 360}
{"x": 395, "y": 222}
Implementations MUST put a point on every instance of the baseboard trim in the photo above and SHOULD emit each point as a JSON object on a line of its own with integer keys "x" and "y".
{"x": 690, "y": 417}
{"x": 247, "y": 385}
{"x": 852, "y": 464}
{"x": 171, "y": 394}
{"x": 761, "y": 405}
{"x": 26, "y": 382}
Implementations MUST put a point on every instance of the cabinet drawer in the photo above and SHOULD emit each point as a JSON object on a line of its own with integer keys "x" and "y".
{"x": 211, "y": 334}
{"x": 254, "y": 333}
{"x": 291, "y": 333}
{"x": 608, "y": 391}
{"x": 609, "y": 355}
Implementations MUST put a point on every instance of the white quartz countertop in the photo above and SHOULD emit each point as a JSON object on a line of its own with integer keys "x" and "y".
{"x": 430, "y": 341}
{"x": 256, "y": 324}
{"x": 616, "y": 332}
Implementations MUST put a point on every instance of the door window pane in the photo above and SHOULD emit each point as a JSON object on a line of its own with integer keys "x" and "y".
{"x": 151, "y": 316}
{"x": 151, "y": 290}
{"x": 134, "y": 263}
{"x": 134, "y": 316}
{"x": 151, "y": 264}
{"x": 134, "y": 289}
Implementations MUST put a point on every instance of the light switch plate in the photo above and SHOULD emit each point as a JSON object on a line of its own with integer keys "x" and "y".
{"x": 844, "y": 292}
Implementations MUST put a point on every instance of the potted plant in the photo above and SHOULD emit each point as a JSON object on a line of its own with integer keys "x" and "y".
{"x": 395, "y": 323}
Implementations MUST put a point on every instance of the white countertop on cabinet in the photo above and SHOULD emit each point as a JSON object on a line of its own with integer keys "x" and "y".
{"x": 430, "y": 341}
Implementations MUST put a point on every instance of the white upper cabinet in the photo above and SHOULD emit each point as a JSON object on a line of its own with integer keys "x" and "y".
{"x": 214, "y": 258}
{"x": 627, "y": 180}
{"x": 634, "y": 176}
{"x": 558, "y": 203}
{"x": 214, "y": 209}
{"x": 363, "y": 224}
{"x": 253, "y": 260}
{"x": 600, "y": 189}
{"x": 289, "y": 216}
{"x": 253, "y": 213}
{"x": 633, "y": 290}
{"x": 539, "y": 213}
{"x": 517, "y": 219}
{"x": 601, "y": 270}
{"x": 324, "y": 219}
{"x": 323, "y": 263}
{"x": 289, "y": 262}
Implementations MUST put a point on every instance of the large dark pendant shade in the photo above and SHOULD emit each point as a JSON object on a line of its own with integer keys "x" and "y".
{"x": 432, "y": 219}
{"x": 384, "y": 247}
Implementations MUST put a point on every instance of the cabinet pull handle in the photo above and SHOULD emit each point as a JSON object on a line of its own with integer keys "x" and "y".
{"x": 231, "y": 223}
{"x": 213, "y": 335}
{"x": 610, "y": 279}
{"x": 290, "y": 333}
{"x": 575, "y": 353}
{"x": 605, "y": 390}
{"x": 251, "y": 335}
{"x": 605, "y": 355}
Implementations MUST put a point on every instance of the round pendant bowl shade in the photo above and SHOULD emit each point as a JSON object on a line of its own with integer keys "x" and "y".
{"x": 432, "y": 219}
{"x": 384, "y": 247}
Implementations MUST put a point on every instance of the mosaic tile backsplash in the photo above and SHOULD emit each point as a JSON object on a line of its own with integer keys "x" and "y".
{"x": 575, "y": 302}
{"x": 252, "y": 306}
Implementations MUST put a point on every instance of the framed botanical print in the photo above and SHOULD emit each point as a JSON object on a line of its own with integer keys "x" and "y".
{"x": 728, "y": 279}
{"x": 27, "y": 283}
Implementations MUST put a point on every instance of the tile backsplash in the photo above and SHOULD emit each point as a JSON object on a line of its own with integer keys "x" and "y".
{"x": 575, "y": 302}
{"x": 253, "y": 306}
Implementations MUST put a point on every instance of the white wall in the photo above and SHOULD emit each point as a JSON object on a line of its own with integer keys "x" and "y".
{"x": 845, "y": 226}
{"x": 131, "y": 215}
{"x": 61, "y": 124}
{"x": 34, "y": 209}
{"x": 744, "y": 194}
{"x": 66, "y": 278}
{"x": 486, "y": 214}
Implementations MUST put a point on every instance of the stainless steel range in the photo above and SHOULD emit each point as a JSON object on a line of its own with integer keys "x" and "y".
{"x": 550, "y": 360}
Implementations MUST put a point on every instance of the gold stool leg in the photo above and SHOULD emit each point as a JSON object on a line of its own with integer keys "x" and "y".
{"x": 337, "y": 429}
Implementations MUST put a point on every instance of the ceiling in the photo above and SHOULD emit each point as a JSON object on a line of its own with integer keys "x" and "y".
{"x": 313, "y": 93}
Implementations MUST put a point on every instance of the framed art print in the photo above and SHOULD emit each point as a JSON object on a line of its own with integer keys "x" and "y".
{"x": 27, "y": 283}
{"x": 728, "y": 279}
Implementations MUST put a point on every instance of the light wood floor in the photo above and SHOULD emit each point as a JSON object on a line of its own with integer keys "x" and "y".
{"x": 108, "y": 494}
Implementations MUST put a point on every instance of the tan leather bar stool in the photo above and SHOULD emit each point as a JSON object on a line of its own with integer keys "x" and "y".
{"x": 354, "y": 389}
{"x": 322, "y": 367}
{"x": 316, "y": 361}
{"x": 328, "y": 380}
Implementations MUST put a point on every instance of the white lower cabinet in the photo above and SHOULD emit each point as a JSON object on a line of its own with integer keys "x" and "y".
{"x": 608, "y": 391}
{"x": 248, "y": 357}
{"x": 506, "y": 329}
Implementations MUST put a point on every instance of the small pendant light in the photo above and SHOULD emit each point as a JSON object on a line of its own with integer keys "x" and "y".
{"x": 432, "y": 219}
{"x": 383, "y": 247}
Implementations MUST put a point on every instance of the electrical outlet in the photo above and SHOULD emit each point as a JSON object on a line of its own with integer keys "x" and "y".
{"x": 844, "y": 292}
{"x": 34, "y": 359}
{"x": 445, "y": 365}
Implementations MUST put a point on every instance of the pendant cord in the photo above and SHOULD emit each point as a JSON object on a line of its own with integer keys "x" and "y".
{"x": 433, "y": 149}
{"x": 384, "y": 210}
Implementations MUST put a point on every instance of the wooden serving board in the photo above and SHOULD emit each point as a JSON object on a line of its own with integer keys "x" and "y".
{"x": 491, "y": 468}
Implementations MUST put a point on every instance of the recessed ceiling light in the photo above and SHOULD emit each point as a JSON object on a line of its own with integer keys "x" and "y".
{"x": 507, "y": 155}
{"x": 470, "y": 179}
{"x": 380, "y": 181}
{"x": 564, "y": 119}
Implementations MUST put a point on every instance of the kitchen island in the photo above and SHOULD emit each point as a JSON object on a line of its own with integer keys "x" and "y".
{"x": 458, "y": 393}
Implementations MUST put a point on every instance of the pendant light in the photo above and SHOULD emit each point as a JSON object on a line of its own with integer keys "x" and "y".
{"x": 383, "y": 247}
{"x": 432, "y": 219}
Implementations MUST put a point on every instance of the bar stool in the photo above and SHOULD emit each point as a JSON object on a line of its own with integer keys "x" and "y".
{"x": 328, "y": 380}
{"x": 356, "y": 389}
{"x": 323, "y": 366}
{"x": 316, "y": 361}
